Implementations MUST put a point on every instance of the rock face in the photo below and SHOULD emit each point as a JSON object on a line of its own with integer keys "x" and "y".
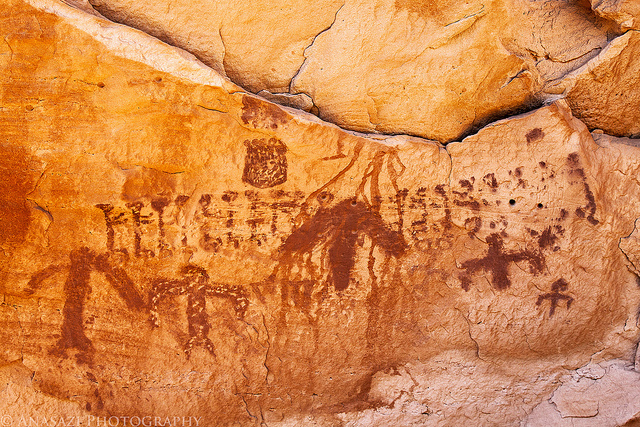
{"x": 439, "y": 70}
{"x": 178, "y": 249}
{"x": 604, "y": 93}
{"x": 624, "y": 12}
{"x": 605, "y": 394}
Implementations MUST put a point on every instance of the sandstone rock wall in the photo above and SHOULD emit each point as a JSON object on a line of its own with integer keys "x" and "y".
{"x": 439, "y": 70}
{"x": 175, "y": 246}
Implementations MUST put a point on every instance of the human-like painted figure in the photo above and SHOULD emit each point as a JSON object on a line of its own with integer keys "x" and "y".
{"x": 76, "y": 289}
{"x": 195, "y": 284}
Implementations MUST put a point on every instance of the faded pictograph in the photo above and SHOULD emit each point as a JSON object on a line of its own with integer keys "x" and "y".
{"x": 556, "y": 295}
{"x": 217, "y": 222}
{"x": 195, "y": 283}
{"x": 496, "y": 262}
{"x": 76, "y": 290}
{"x": 321, "y": 250}
{"x": 336, "y": 230}
{"x": 135, "y": 231}
{"x": 265, "y": 163}
{"x": 589, "y": 210}
{"x": 348, "y": 238}
{"x": 545, "y": 236}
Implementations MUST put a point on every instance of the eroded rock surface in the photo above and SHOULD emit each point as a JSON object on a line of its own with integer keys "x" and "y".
{"x": 605, "y": 394}
{"x": 604, "y": 92}
{"x": 439, "y": 70}
{"x": 175, "y": 246}
{"x": 626, "y": 13}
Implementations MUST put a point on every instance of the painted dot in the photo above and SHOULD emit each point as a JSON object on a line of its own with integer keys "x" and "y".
{"x": 540, "y": 205}
{"x": 512, "y": 202}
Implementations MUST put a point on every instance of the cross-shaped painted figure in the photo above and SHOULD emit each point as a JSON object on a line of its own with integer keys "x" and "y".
{"x": 555, "y": 295}
{"x": 195, "y": 284}
{"x": 76, "y": 289}
{"x": 497, "y": 262}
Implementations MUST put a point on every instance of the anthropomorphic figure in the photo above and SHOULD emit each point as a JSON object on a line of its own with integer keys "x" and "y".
{"x": 76, "y": 289}
{"x": 195, "y": 284}
{"x": 497, "y": 261}
{"x": 556, "y": 295}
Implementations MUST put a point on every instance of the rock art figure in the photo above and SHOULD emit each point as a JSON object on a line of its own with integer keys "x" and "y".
{"x": 265, "y": 163}
{"x": 113, "y": 219}
{"x": 195, "y": 284}
{"x": 497, "y": 261}
{"x": 76, "y": 289}
{"x": 588, "y": 211}
{"x": 336, "y": 228}
{"x": 556, "y": 295}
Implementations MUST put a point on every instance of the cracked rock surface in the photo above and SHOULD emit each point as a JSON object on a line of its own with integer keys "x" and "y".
{"x": 176, "y": 246}
{"x": 439, "y": 70}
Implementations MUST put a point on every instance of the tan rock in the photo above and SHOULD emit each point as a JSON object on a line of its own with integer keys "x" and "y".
{"x": 557, "y": 37}
{"x": 446, "y": 70}
{"x": 403, "y": 69}
{"x": 83, "y": 5}
{"x": 604, "y": 93}
{"x": 23, "y": 404}
{"x": 439, "y": 71}
{"x": 300, "y": 101}
{"x": 626, "y": 13}
{"x": 258, "y": 45}
{"x": 453, "y": 389}
{"x": 178, "y": 247}
{"x": 609, "y": 400}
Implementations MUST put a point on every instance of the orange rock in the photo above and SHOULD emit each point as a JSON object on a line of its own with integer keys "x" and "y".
{"x": 440, "y": 70}
{"x": 176, "y": 247}
{"x": 605, "y": 93}
{"x": 626, "y": 13}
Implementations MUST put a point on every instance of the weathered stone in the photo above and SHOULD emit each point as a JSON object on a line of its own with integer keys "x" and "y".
{"x": 440, "y": 70}
{"x": 83, "y": 5}
{"x": 557, "y": 37}
{"x": 177, "y": 247}
{"x": 626, "y": 13}
{"x": 609, "y": 400}
{"x": 604, "y": 93}
{"x": 24, "y": 404}
{"x": 300, "y": 101}
{"x": 258, "y": 45}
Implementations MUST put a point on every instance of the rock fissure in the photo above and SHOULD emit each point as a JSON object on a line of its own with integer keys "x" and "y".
{"x": 304, "y": 53}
